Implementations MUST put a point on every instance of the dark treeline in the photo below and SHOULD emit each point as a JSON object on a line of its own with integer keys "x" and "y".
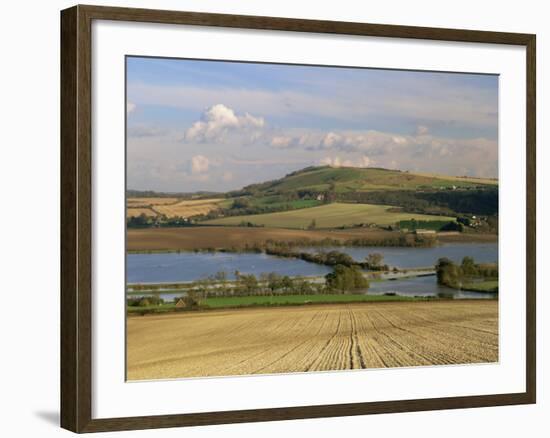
{"x": 481, "y": 202}
{"x": 245, "y": 209}
{"x": 144, "y": 221}
{"x": 413, "y": 224}
{"x": 330, "y": 258}
{"x": 395, "y": 240}
{"x": 147, "y": 301}
{"x": 446, "y": 202}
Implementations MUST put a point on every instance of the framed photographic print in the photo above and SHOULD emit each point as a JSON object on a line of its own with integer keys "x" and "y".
{"x": 270, "y": 218}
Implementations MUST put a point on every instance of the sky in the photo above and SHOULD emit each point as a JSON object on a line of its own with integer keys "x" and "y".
{"x": 218, "y": 126}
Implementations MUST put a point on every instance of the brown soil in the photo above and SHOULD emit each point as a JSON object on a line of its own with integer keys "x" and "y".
{"x": 192, "y": 238}
{"x": 312, "y": 338}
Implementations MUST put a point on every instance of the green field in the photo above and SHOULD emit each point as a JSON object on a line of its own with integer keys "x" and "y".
{"x": 297, "y": 299}
{"x": 278, "y": 300}
{"x": 329, "y": 216}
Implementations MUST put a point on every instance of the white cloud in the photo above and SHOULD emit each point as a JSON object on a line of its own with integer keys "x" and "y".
{"x": 199, "y": 164}
{"x": 281, "y": 142}
{"x": 218, "y": 121}
{"x": 424, "y": 152}
{"x": 330, "y": 140}
{"x": 371, "y": 142}
{"x": 336, "y": 161}
{"x": 419, "y": 151}
{"x": 377, "y": 143}
{"x": 130, "y": 107}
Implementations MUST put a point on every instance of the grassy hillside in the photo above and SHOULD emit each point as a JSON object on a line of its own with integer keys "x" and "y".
{"x": 328, "y": 216}
{"x": 344, "y": 179}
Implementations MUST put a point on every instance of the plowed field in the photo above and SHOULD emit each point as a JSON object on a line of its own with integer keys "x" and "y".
{"x": 311, "y": 338}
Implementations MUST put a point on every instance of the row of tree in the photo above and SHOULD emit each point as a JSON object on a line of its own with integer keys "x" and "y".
{"x": 144, "y": 221}
{"x": 373, "y": 262}
{"x": 343, "y": 279}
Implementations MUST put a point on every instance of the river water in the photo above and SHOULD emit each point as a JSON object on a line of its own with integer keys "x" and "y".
{"x": 422, "y": 257}
{"x": 190, "y": 266}
{"x": 422, "y": 287}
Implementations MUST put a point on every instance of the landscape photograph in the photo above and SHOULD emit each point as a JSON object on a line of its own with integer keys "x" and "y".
{"x": 292, "y": 218}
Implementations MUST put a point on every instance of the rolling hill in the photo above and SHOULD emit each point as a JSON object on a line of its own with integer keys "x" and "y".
{"x": 353, "y": 179}
{"x": 334, "y": 197}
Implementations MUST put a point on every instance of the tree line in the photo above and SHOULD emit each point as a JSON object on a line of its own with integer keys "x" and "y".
{"x": 446, "y": 202}
{"x": 342, "y": 280}
{"x": 372, "y": 262}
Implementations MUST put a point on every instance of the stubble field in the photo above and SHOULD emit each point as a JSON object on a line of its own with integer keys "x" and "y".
{"x": 147, "y": 202}
{"x": 137, "y": 211}
{"x": 171, "y": 207}
{"x": 189, "y": 208}
{"x": 311, "y": 338}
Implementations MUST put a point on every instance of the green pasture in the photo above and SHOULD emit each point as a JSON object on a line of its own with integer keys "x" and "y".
{"x": 329, "y": 216}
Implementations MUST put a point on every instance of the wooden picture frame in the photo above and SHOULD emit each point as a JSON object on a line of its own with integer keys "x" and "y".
{"x": 76, "y": 218}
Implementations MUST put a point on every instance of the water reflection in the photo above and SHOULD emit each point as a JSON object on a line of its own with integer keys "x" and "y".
{"x": 188, "y": 266}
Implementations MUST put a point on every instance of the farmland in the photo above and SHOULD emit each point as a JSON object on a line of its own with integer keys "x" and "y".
{"x": 172, "y": 207}
{"x": 137, "y": 211}
{"x": 189, "y": 208}
{"x": 150, "y": 201}
{"x": 329, "y": 216}
{"x": 214, "y": 237}
{"x": 311, "y": 338}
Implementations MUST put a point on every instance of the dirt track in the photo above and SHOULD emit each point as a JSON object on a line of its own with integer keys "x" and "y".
{"x": 312, "y": 338}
